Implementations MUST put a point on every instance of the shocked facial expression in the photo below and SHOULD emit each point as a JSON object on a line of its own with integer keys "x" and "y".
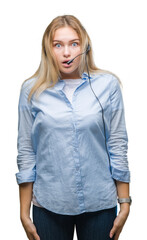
{"x": 66, "y": 45}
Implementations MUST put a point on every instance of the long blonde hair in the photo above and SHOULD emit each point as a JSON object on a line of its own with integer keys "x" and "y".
{"x": 48, "y": 72}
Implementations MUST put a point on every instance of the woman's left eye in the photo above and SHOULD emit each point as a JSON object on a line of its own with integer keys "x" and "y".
{"x": 74, "y": 44}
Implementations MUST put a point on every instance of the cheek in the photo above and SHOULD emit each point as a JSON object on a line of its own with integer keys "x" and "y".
{"x": 55, "y": 57}
{"x": 56, "y": 54}
{"x": 77, "y": 60}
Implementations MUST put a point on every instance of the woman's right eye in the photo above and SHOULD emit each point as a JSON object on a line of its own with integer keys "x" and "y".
{"x": 58, "y": 45}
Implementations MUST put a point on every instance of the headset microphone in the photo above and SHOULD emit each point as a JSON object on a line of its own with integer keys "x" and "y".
{"x": 88, "y": 48}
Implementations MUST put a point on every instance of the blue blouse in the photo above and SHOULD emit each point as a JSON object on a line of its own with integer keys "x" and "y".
{"x": 61, "y": 145}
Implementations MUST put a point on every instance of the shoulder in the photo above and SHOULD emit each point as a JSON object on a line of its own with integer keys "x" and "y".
{"x": 28, "y": 84}
{"x": 25, "y": 90}
{"x": 107, "y": 79}
{"x": 109, "y": 76}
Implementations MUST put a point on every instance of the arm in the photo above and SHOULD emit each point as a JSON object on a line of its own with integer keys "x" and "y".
{"x": 123, "y": 192}
{"x": 26, "y": 162}
{"x": 117, "y": 137}
{"x": 25, "y": 195}
{"x": 117, "y": 147}
{"x": 26, "y": 159}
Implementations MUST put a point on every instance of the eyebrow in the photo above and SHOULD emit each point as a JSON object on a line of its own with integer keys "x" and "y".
{"x": 69, "y": 41}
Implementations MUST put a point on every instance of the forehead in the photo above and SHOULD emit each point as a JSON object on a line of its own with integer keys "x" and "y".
{"x": 65, "y": 34}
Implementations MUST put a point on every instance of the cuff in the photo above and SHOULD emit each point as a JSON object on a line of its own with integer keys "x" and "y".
{"x": 25, "y": 176}
{"x": 123, "y": 176}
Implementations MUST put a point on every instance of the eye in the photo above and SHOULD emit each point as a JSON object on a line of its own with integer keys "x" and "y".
{"x": 74, "y": 44}
{"x": 57, "y": 45}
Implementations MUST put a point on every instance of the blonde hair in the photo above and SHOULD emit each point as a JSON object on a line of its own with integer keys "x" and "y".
{"x": 48, "y": 72}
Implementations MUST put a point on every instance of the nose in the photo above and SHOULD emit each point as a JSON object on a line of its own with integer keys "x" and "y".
{"x": 66, "y": 52}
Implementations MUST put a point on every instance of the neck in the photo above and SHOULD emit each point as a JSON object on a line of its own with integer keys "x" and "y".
{"x": 70, "y": 75}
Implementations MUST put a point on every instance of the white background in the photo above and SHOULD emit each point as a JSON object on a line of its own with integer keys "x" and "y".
{"x": 118, "y": 33}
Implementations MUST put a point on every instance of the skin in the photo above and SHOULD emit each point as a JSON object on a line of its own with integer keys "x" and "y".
{"x": 122, "y": 192}
{"x": 25, "y": 195}
{"x": 67, "y": 48}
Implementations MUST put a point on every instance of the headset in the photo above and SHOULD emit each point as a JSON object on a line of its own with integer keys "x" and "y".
{"x": 87, "y": 50}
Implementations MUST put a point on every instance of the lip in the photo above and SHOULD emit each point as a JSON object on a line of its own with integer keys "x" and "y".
{"x": 67, "y": 65}
{"x": 66, "y": 60}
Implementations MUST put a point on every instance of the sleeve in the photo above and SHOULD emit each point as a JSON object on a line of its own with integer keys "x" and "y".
{"x": 26, "y": 157}
{"x": 118, "y": 139}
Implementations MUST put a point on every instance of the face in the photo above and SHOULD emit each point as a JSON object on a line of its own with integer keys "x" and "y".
{"x": 66, "y": 45}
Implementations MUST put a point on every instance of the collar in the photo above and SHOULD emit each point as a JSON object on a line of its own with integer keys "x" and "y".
{"x": 60, "y": 84}
{"x": 83, "y": 77}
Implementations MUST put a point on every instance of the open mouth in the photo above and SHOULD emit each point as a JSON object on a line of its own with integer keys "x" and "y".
{"x": 65, "y": 63}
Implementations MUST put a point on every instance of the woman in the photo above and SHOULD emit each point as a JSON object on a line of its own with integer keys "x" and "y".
{"x": 72, "y": 142}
